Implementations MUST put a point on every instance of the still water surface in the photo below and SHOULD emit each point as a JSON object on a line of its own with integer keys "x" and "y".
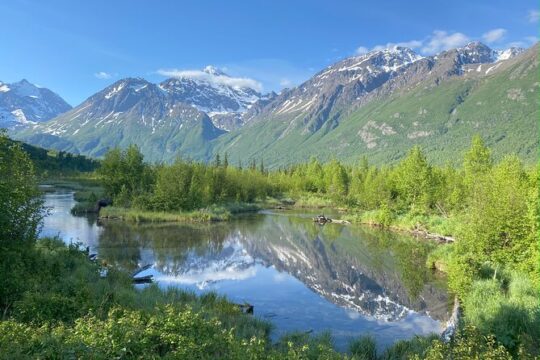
{"x": 347, "y": 280}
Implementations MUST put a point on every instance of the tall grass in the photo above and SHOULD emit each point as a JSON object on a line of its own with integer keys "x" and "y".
{"x": 364, "y": 348}
{"x": 141, "y": 216}
{"x": 509, "y": 309}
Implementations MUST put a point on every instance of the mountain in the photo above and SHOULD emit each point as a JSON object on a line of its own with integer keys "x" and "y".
{"x": 23, "y": 103}
{"x": 377, "y": 104}
{"x": 382, "y": 103}
{"x": 130, "y": 111}
{"x": 215, "y": 93}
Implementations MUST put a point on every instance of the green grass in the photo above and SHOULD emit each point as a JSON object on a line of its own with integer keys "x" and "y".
{"x": 313, "y": 201}
{"x": 141, "y": 216}
{"x": 210, "y": 214}
{"x": 435, "y": 224}
{"x": 406, "y": 349}
{"x": 364, "y": 348}
{"x": 440, "y": 257}
{"x": 507, "y": 307}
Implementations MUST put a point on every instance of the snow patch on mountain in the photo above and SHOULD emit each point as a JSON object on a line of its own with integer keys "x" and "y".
{"x": 214, "y": 92}
{"x": 23, "y": 103}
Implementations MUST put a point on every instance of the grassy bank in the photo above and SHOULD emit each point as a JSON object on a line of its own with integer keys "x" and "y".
{"x": 69, "y": 310}
{"x": 210, "y": 214}
{"x": 409, "y": 222}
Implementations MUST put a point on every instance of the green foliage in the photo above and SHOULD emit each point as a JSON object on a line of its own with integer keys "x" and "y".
{"x": 467, "y": 344}
{"x": 364, "y": 348}
{"x": 407, "y": 349}
{"x": 510, "y": 312}
{"x": 413, "y": 182}
{"x": 20, "y": 216}
{"x": 20, "y": 206}
{"x": 180, "y": 187}
{"x": 440, "y": 257}
{"x": 125, "y": 175}
{"x": 58, "y": 163}
{"x": 68, "y": 310}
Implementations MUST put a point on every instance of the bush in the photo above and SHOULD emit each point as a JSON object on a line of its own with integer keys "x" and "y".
{"x": 467, "y": 344}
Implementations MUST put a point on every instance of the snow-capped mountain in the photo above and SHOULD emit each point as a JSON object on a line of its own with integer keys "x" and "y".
{"x": 215, "y": 93}
{"x": 356, "y": 80}
{"x": 23, "y": 103}
{"x": 343, "y": 109}
{"x": 506, "y": 54}
{"x": 478, "y": 53}
{"x": 130, "y": 111}
{"x": 206, "y": 104}
{"x": 314, "y": 103}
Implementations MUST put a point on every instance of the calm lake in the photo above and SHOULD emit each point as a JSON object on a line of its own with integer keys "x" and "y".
{"x": 348, "y": 280}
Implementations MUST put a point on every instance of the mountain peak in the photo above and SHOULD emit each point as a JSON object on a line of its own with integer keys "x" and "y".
{"x": 508, "y": 53}
{"x": 23, "y": 103}
{"x": 212, "y": 70}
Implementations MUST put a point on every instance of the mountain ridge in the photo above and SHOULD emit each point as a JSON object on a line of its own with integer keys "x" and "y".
{"x": 284, "y": 128}
{"x": 23, "y": 103}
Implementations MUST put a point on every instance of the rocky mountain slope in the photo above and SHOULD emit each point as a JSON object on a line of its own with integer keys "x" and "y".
{"x": 382, "y": 103}
{"x": 176, "y": 117}
{"x": 23, "y": 103}
{"x": 130, "y": 111}
{"x": 377, "y": 104}
{"x": 215, "y": 95}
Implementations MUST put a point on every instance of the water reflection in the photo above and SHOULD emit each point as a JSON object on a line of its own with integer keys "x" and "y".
{"x": 349, "y": 280}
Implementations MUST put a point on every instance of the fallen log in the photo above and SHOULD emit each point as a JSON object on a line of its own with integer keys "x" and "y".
{"x": 429, "y": 235}
{"x": 321, "y": 219}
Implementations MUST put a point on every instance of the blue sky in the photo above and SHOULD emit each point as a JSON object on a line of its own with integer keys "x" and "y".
{"x": 77, "y": 48}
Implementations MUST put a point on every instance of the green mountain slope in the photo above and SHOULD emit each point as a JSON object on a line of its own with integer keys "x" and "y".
{"x": 502, "y": 106}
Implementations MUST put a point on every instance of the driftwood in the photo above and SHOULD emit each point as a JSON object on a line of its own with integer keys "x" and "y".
{"x": 429, "y": 235}
{"x": 321, "y": 219}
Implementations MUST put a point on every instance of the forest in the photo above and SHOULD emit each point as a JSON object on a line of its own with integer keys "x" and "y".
{"x": 68, "y": 310}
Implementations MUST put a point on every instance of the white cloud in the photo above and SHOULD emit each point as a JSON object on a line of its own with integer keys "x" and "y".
{"x": 103, "y": 75}
{"x": 494, "y": 35}
{"x": 237, "y": 82}
{"x": 413, "y": 44}
{"x": 442, "y": 40}
{"x": 362, "y": 50}
{"x": 533, "y": 16}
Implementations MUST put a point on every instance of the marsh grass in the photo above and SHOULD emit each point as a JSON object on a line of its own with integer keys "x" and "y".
{"x": 507, "y": 308}
{"x": 213, "y": 213}
{"x": 440, "y": 257}
{"x": 364, "y": 348}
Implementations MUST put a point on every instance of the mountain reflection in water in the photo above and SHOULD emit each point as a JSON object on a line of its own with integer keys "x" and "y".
{"x": 345, "y": 279}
